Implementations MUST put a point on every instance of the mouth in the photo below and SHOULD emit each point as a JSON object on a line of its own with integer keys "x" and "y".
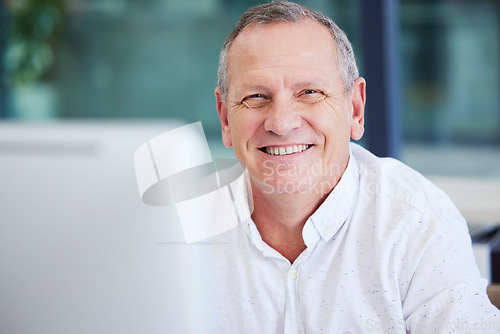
{"x": 285, "y": 150}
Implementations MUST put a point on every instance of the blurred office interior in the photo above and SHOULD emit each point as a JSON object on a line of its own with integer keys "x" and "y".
{"x": 157, "y": 60}
{"x": 123, "y": 71}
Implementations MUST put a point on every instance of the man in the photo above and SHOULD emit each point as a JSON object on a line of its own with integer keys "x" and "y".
{"x": 339, "y": 241}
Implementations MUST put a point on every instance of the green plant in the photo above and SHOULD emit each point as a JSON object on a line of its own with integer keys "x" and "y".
{"x": 34, "y": 29}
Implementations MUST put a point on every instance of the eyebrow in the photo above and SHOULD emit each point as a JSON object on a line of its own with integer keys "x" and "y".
{"x": 253, "y": 88}
{"x": 310, "y": 84}
{"x": 303, "y": 84}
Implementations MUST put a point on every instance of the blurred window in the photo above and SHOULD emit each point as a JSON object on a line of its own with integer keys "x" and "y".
{"x": 131, "y": 59}
{"x": 148, "y": 59}
{"x": 450, "y": 52}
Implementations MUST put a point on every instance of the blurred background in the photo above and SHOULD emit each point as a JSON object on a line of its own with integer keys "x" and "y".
{"x": 83, "y": 83}
{"x": 157, "y": 60}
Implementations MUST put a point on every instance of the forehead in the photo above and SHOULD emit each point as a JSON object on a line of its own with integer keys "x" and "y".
{"x": 305, "y": 44}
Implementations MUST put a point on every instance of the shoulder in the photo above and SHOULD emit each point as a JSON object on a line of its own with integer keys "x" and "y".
{"x": 392, "y": 180}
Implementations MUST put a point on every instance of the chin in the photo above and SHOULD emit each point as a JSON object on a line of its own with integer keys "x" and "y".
{"x": 292, "y": 185}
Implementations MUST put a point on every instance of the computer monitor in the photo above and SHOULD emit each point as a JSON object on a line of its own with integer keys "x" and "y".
{"x": 79, "y": 251}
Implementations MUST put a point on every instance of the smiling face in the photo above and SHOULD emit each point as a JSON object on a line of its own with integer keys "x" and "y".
{"x": 287, "y": 114}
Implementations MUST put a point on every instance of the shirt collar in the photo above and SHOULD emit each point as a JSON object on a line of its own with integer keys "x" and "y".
{"x": 338, "y": 206}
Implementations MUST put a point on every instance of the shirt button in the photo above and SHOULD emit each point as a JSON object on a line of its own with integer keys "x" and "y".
{"x": 293, "y": 273}
{"x": 327, "y": 232}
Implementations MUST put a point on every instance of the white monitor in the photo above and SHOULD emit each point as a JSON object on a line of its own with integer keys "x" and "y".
{"x": 79, "y": 251}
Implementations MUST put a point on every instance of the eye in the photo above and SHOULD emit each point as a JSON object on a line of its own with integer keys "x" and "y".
{"x": 254, "y": 96}
{"x": 311, "y": 96}
{"x": 255, "y": 100}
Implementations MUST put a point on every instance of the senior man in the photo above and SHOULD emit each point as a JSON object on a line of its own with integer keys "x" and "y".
{"x": 340, "y": 241}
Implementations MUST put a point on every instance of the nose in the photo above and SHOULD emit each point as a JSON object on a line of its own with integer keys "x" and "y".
{"x": 281, "y": 118}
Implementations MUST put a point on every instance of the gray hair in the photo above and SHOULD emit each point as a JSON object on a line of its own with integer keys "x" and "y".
{"x": 284, "y": 11}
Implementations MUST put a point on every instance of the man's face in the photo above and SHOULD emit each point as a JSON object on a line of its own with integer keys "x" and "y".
{"x": 287, "y": 114}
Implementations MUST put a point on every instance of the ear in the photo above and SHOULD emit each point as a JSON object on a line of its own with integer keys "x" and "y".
{"x": 358, "y": 100}
{"x": 224, "y": 120}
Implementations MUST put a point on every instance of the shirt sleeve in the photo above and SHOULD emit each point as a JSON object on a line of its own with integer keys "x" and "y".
{"x": 445, "y": 293}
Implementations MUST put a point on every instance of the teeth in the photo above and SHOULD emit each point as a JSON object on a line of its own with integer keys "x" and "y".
{"x": 286, "y": 150}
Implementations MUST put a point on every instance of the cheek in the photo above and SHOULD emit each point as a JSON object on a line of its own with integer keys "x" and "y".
{"x": 243, "y": 126}
{"x": 333, "y": 125}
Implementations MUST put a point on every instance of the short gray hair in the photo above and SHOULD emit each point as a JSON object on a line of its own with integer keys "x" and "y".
{"x": 284, "y": 11}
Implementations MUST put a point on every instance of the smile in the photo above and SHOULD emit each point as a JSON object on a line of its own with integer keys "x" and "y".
{"x": 284, "y": 150}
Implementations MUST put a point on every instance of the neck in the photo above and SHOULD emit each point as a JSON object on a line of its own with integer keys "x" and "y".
{"x": 280, "y": 219}
{"x": 281, "y": 216}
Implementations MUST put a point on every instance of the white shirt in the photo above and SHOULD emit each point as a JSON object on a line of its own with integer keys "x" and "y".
{"x": 387, "y": 252}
